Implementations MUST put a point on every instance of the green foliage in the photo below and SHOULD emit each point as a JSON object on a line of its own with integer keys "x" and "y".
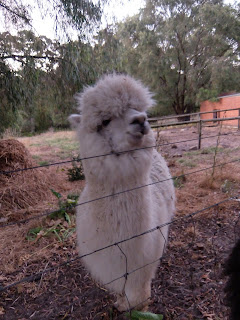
{"x": 207, "y": 94}
{"x": 179, "y": 181}
{"x": 139, "y": 315}
{"x": 59, "y": 228}
{"x": 227, "y": 186}
{"x": 82, "y": 16}
{"x": 65, "y": 206}
{"x": 32, "y": 233}
{"x": 39, "y": 76}
{"x": 187, "y": 163}
{"x": 183, "y": 50}
{"x": 39, "y": 93}
{"x": 212, "y": 150}
{"x": 76, "y": 172}
{"x": 62, "y": 221}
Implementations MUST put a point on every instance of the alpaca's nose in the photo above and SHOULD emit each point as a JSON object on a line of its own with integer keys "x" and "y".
{"x": 141, "y": 121}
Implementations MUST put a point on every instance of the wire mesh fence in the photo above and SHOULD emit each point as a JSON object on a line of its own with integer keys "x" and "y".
{"x": 188, "y": 284}
{"x": 158, "y": 145}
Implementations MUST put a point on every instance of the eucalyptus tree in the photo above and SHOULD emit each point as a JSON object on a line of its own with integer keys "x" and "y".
{"x": 46, "y": 74}
{"x": 183, "y": 49}
{"x": 39, "y": 70}
{"x": 75, "y": 14}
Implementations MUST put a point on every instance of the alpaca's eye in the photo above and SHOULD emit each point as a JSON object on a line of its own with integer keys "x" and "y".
{"x": 105, "y": 123}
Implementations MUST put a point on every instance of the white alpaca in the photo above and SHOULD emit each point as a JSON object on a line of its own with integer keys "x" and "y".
{"x": 113, "y": 119}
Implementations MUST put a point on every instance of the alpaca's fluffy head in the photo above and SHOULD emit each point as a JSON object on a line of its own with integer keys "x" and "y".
{"x": 110, "y": 98}
{"x": 113, "y": 112}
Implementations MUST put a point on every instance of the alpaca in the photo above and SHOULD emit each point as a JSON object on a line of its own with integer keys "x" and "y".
{"x": 232, "y": 289}
{"x": 112, "y": 120}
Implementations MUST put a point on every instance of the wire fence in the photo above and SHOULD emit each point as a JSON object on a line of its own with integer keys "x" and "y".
{"x": 8, "y": 172}
{"x": 189, "y": 221}
{"x": 159, "y": 227}
{"x": 4, "y": 225}
{"x": 189, "y": 218}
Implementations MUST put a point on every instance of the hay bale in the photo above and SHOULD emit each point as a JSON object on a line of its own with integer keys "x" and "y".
{"x": 13, "y": 155}
{"x": 24, "y": 189}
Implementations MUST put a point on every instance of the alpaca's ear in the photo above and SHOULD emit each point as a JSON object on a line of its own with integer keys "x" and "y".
{"x": 74, "y": 120}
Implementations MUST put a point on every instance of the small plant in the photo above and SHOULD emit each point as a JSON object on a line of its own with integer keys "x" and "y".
{"x": 43, "y": 163}
{"x": 139, "y": 315}
{"x": 76, "y": 172}
{"x": 187, "y": 163}
{"x": 212, "y": 150}
{"x": 65, "y": 206}
{"x": 179, "y": 180}
{"x": 33, "y": 233}
{"x": 227, "y": 186}
{"x": 62, "y": 223}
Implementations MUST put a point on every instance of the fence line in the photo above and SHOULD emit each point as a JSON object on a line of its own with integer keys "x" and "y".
{"x": 194, "y": 122}
{"x": 191, "y": 114}
{"x": 36, "y": 276}
{"x": 117, "y": 193}
{"x": 110, "y": 154}
{"x": 205, "y": 136}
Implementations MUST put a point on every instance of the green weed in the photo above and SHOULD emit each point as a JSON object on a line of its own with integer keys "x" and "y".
{"x": 33, "y": 233}
{"x": 212, "y": 150}
{"x": 139, "y": 315}
{"x": 227, "y": 186}
{"x": 43, "y": 163}
{"x": 65, "y": 206}
{"x": 62, "y": 221}
{"x": 179, "y": 180}
{"x": 76, "y": 172}
{"x": 187, "y": 162}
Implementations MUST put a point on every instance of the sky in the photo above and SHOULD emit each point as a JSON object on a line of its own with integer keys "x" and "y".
{"x": 116, "y": 11}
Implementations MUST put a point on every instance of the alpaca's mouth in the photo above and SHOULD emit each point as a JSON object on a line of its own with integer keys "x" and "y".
{"x": 135, "y": 138}
{"x": 135, "y": 135}
{"x": 138, "y": 135}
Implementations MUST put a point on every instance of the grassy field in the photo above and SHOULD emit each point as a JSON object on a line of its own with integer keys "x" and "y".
{"x": 51, "y": 146}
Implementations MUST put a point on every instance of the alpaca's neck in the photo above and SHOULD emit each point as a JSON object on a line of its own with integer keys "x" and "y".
{"x": 117, "y": 173}
{"x": 116, "y": 184}
{"x": 127, "y": 200}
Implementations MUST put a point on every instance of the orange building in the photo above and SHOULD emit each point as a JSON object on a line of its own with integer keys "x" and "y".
{"x": 226, "y": 102}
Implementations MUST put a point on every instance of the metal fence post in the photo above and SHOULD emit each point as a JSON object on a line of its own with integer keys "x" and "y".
{"x": 199, "y": 134}
{"x": 239, "y": 119}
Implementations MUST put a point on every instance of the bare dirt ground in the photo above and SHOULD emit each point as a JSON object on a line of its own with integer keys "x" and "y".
{"x": 189, "y": 283}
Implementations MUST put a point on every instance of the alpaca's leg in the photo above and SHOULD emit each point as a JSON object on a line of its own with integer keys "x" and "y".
{"x": 137, "y": 299}
{"x": 137, "y": 291}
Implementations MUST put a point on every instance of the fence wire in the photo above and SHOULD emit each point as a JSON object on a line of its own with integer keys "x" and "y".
{"x": 159, "y": 227}
{"x": 109, "y": 154}
{"x": 165, "y": 287}
{"x": 45, "y": 214}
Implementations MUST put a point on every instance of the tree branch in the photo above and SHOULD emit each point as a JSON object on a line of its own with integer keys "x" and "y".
{"x": 18, "y": 56}
{"x": 15, "y": 13}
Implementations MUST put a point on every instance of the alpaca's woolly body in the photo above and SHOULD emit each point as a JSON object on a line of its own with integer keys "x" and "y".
{"x": 232, "y": 289}
{"x": 125, "y": 214}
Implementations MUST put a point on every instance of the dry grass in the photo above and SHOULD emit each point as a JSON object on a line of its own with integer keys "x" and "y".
{"x": 23, "y": 195}
{"x": 21, "y": 191}
{"x": 51, "y": 146}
